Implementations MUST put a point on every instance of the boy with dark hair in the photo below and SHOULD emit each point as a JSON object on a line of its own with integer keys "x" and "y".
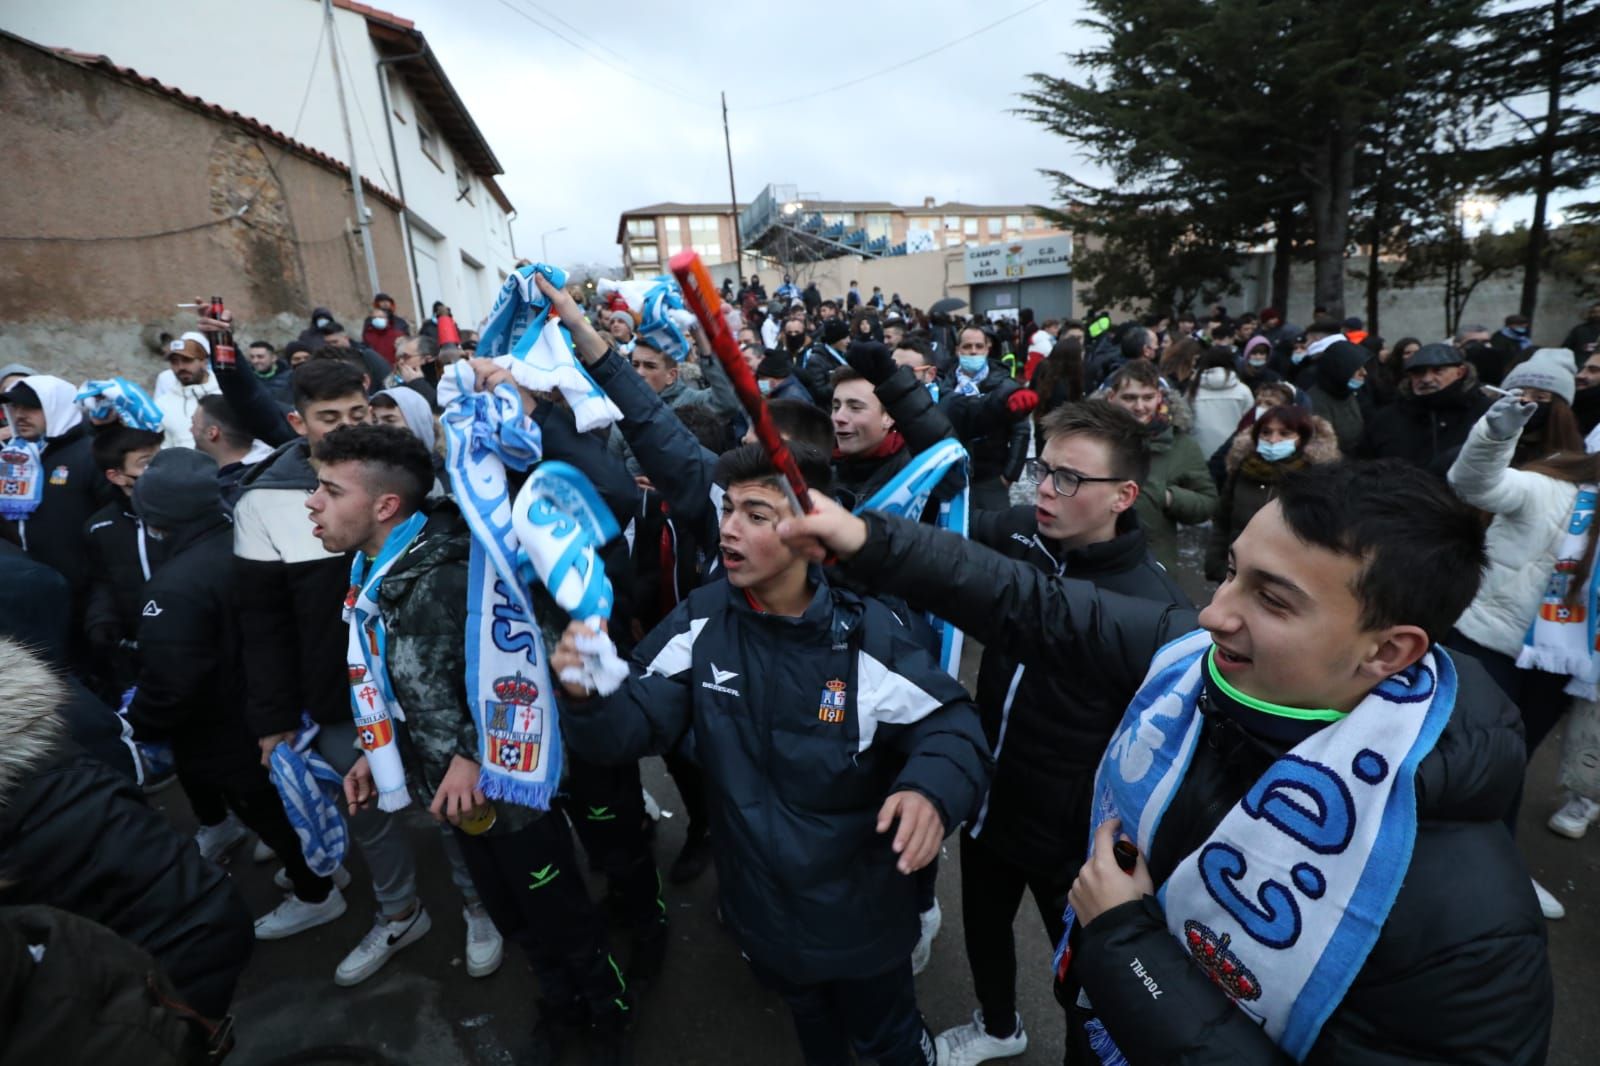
{"x": 1306, "y": 777}
{"x": 372, "y": 484}
{"x": 120, "y": 556}
{"x": 290, "y": 592}
{"x": 807, "y": 787}
{"x": 219, "y": 433}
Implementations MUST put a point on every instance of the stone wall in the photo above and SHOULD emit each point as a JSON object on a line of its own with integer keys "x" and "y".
{"x": 120, "y": 203}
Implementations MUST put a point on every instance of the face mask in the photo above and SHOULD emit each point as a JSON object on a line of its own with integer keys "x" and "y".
{"x": 1540, "y": 417}
{"x": 1275, "y": 451}
{"x": 324, "y": 323}
{"x": 794, "y": 341}
{"x": 933, "y": 389}
{"x": 1297, "y": 358}
{"x": 1257, "y": 361}
{"x": 974, "y": 364}
{"x": 1354, "y": 384}
{"x": 765, "y": 386}
{"x": 379, "y": 322}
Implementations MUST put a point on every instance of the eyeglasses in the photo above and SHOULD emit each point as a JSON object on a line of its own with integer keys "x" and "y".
{"x": 1063, "y": 479}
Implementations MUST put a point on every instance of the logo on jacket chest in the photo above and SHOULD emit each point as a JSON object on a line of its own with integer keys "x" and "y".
{"x": 58, "y": 476}
{"x": 831, "y": 709}
{"x": 719, "y": 681}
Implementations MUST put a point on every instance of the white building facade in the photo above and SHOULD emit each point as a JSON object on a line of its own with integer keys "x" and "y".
{"x": 413, "y": 136}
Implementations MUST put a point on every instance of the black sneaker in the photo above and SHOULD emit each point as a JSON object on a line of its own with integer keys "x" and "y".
{"x": 610, "y": 1044}
{"x": 693, "y": 859}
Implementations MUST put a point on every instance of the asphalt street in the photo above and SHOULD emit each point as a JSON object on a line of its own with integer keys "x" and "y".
{"x": 706, "y": 1007}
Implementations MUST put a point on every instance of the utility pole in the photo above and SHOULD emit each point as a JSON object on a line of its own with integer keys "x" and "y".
{"x": 362, "y": 220}
{"x": 733, "y": 194}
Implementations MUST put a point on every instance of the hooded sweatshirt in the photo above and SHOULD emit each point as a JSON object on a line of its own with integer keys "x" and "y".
{"x": 73, "y": 488}
{"x": 415, "y": 410}
{"x": 1331, "y": 395}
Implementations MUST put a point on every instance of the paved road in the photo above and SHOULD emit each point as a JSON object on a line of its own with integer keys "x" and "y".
{"x": 423, "y": 1009}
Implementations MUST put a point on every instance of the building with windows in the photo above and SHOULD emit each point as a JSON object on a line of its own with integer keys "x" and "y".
{"x": 784, "y": 225}
{"x": 272, "y": 64}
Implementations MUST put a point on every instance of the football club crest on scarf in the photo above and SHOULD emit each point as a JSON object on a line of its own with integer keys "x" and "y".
{"x": 516, "y": 723}
{"x": 832, "y": 707}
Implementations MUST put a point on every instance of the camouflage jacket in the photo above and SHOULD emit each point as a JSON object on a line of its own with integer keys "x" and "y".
{"x": 424, "y": 604}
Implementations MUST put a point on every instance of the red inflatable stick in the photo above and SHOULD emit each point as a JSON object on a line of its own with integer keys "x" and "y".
{"x": 700, "y": 296}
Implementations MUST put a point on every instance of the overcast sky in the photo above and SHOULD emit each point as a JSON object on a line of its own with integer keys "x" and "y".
{"x": 581, "y": 142}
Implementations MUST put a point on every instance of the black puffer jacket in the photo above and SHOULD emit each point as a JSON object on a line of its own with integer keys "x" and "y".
{"x": 1460, "y": 973}
{"x": 1048, "y": 730}
{"x": 1426, "y": 431}
{"x": 73, "y": 491}
{"x": 804, "y": 726}
{"x": 77, "y": 835}
{"x": 190, "y": 688}
{"x": 997, "y": 441}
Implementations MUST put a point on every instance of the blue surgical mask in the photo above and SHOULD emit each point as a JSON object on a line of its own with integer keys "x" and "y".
{"x": 933, "y": 389}
{"x": 974, "y": 364}
{"x": 1354, "y": 384}
{"x": 380, "y": 322}
{"x": 1275, "y": 451}
{"x": 1257, "y": 361}
{"x": 765, "y": 385}
{"x": 1297, "y": 358}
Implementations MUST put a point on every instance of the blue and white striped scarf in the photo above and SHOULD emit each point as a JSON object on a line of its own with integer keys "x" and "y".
{"x": 1284, "y": 901}
{"x": 906, "y": 495}
{"x": 519, "y": 336}
{"x": 313, "y": 794}
{"x": 102, "y": 398}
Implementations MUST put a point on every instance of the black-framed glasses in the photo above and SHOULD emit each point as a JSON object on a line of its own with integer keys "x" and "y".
{"x": 1063, "y": 479}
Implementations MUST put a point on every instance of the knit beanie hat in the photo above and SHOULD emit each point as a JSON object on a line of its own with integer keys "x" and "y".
{"x": 775, "y": 365}
{"x": 834, "y": 331}
{"x": 178, "y": 487}
{"x": 1550, "y": 369}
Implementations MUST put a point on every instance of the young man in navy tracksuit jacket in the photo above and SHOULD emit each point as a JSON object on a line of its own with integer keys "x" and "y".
{"x": 838, "y": 755}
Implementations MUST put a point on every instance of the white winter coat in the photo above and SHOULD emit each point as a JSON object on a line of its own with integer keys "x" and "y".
{"x": 1531, "y": 512}
{"x": 1219, "y": 402}
{"x": 177, "y": 411}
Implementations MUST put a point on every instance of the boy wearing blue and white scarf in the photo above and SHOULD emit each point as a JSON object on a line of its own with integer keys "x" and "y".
{"x": 1310, "y": 786}
{"x": 414, "y": 689}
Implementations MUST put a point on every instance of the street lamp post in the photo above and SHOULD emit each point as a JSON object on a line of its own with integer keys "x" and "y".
{"x": 544, "y": 246}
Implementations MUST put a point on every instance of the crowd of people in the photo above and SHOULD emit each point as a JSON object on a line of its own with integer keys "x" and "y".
{"x": 276, "y": 565}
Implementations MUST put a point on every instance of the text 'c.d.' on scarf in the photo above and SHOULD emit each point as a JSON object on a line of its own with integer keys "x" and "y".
{"x": 1284, "y": 901}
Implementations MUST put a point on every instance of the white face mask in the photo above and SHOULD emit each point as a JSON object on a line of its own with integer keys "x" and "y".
{"x": 380, "y": 322}
{"x": 322, "y": 323}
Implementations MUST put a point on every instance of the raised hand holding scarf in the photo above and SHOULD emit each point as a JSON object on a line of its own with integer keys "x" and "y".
{"x": 102, "y": 399}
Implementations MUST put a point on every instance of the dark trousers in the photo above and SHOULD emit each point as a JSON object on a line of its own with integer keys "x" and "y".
{"x": 991, "y": 891}
{"x": 877, "y": 1016}
{"x": 532, "y": 887}
{"x": 691, "y": 782}
{"x": 606, "y": 807}
{"x": 250, "y": 793}
{"x": 1540, "y": 696}
{"x": 205, "y": 799}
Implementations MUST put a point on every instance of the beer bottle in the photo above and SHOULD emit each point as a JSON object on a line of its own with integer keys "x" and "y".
{"x": 223, "y": 354}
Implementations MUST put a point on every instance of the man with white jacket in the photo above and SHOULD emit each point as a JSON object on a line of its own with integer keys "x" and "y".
{"x": 188, "y": 357}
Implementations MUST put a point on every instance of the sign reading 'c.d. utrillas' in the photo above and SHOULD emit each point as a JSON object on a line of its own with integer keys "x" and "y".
{"x": 1013, "y": 260}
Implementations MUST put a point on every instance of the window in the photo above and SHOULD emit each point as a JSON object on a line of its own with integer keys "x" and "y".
{"x": 429, "y": 140}
{"x": 879, "y": 226}
{"x": 641, "y": 227}
{"x": 672, "y": 233}
{"x": 647, "y": 253}
{"x": 463, "y": 184}
{"x": 970, "y": 227}
{"x": 1013, "y": 222}
{"x": 705, "y": 237}
{"x": 1034, "y": 223}
{"x": 952, "y": 240}
{"x": 994, "y": 225}
{"x": 952, "y": 222}
{"x": 833, "y": 218}
{"x": 396, "y": 96}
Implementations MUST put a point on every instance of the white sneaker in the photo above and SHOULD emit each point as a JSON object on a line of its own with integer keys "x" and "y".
{"x": 295, "y": 915}
{"x": 341, "y": 879}
{"x": 262, "y": 852}
{"x": 1548, "y": 904}
{"x": 931, "y": 918}
{"x": 382, "y": 940}
{"x": 968, "y": 1045}
{"x": 485, "y": 948}
{"x": 217, "y": 840}
{"x": 1574, "y": 819}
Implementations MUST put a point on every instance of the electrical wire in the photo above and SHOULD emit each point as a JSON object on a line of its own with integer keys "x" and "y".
{"x": 624, "y": 71}
{"x": 895, "y": 66}
{"x": 361, "y": 112}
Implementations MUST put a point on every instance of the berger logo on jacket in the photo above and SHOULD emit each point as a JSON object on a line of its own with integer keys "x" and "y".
{"x": 151, "y": 609}
{"x": 722, "y": 677}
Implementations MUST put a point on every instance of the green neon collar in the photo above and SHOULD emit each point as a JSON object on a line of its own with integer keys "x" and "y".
{"x": 1297, "y": 713}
